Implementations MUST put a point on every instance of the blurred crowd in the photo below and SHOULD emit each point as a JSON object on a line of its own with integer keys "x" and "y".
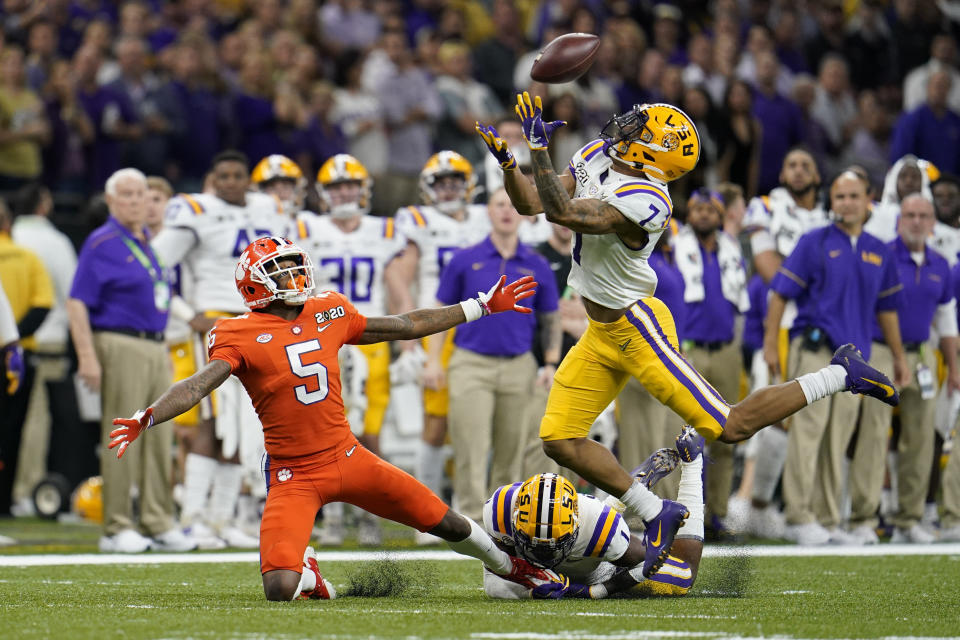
{"x": 90, "y": 87}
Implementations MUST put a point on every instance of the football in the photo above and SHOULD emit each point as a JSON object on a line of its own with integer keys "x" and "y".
{"x": 565, "y": 58}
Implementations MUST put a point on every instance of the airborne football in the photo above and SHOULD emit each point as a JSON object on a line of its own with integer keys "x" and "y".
{"x": 565, "y": 58}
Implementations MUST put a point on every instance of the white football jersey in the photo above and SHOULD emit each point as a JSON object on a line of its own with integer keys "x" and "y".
{"x": 883, "y": 221}
{"x": 351, "y": 263}
{"x": 438, "y": 236}
{"x": 945, "y": 241}
{"x": 782, "y": 219}
{"x": 209, "y": 235}
{"x": 604, "y": 269}
{"x": 603, "y": 537}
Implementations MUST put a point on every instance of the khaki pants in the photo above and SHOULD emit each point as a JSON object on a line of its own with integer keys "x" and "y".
{"x": 722, "y": 369}
{"x": 534, "y": 459}
{"x": 950, "y": 485}
{"x": 817, "y": 443}
{"x": 645, "y": 425}
{"x": 488, "y": 413}
{"x": 135, "y": 373}
{"x": 915, "y": 447}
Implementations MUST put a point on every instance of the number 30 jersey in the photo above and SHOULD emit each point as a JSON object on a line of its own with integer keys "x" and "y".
{"x": 604, "y": 269}
{"x": 209, "y": 234}
{"x": 352, "y": 263}
{"x": 438, "y": 236}
{"x": 291, "y": 372}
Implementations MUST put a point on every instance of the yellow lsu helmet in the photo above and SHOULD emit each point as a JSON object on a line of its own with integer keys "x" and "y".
{"x": 659, "y": 139}
{"x": 277, "y": 167}
{"x": 87, "y": 500}
{"x": 447, "y": 163}
{"x": 339, "y": 169}
{"x": 546, "y": 519}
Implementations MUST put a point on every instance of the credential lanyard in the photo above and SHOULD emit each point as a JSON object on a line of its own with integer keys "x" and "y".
{"x": 144, "y": 260}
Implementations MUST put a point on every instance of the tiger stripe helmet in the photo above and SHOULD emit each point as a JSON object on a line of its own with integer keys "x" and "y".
{"x": 339, "y": 169}
{"x": 274, "y": 168}
{"x": 546, "y": 519}
{"x": 659, "y": 139}
{"x": 447, "y": 163}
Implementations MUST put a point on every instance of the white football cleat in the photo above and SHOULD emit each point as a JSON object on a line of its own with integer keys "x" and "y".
{"x": 204, "y": 537}
{"x": 127, "y": 541}
{"x": 324, "y": 589}
{"x": 809, "y": 534}
{"x": 914, "y": 535}
{"x": 235, "y": 537}
{"x": 173, "y": 540}
{"x": 865, "y": 534}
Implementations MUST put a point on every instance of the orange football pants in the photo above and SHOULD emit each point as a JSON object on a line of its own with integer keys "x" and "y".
{"x": 297, "y": 488}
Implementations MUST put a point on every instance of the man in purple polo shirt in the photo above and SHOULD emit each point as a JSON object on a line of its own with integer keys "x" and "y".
{"x": 927, "y": 300}
{"x": 118, "y": 307}
{"x": 840, "y": 277}
{"x": 492, "y": 370}
{"x": 714, "y": 294}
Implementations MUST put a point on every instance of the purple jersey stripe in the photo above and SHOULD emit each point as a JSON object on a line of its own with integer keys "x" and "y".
{"x": 266, "y": 471}
{"x": 646, "y": 190}
{"x": 597, "y": 531}
{"x": 656, "y": 323}
{"x": 507, "y": 502}
{"x": 611, "y": 534}
{"x": 677, "y": 374}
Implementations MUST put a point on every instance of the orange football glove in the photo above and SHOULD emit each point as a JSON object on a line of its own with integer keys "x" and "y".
{"x": 505, "y": 298}
{"x": 130, "y": 429}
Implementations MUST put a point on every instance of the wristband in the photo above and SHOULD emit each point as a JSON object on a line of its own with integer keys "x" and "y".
{"x": 473, "y": 309}
{"x": 139, "y": 414}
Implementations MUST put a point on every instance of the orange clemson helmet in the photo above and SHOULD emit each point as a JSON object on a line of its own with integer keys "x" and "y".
{"x": 260, "y": 279}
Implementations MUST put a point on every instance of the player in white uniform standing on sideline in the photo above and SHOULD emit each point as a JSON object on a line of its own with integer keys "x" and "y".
{"x": 209, "y": 232}
{"x": 279, "y": 176}
{"x": 775, "y": 223}
{"x": 447, "y": 221}
{"x": 614, "y": 197}
{"x": 355, "y": 254}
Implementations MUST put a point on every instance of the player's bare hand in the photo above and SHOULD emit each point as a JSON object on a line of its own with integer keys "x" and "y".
{"x": 771, "y": 355}
{"x": 202, "y": 324}
{"x": 129, "y": 429}
{"x": 88, "y": 369}
{"x": 545, "y": 377}
{"x": 434, "y": 377}
{"x": 901, "y": 372}
{"x": 505, "y": 297}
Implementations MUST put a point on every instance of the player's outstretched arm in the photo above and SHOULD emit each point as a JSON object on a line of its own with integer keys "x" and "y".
{"x": 424, "y": 322}
{"x": 179, "y": 398}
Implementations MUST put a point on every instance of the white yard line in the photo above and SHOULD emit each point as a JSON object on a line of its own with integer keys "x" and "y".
{"x": 765, "y": 551}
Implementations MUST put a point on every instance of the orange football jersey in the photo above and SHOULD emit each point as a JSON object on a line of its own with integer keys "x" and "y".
{"x": 291, "y": 371}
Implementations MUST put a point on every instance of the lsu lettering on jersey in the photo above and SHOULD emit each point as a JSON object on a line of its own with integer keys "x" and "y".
{"x": 352, "y": 263}
{"x": 603, "y": 538}
{"x": 604, "y": 269}
{"x": 776, "y": 222}
{"x": 209, "y": 234}
{"x": 438, "y": 236}
{"x": 291, "y": 371}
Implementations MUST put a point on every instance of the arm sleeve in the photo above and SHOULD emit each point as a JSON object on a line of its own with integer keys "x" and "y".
{"x": 889, "y": 296}
{"x": 221, "y": 345}
{"x": 179, "y": 234}
{"x": 793, "y": 277}
{"x": 8, "y": 326}
{"x": 450, "y": 289}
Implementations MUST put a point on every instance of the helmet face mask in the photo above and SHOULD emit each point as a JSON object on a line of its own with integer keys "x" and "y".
{"x": 439, "y": 178}
{"x": 546, "y": 519}
{"x": 658, "y": 139}
{"x": 263, "y": 276}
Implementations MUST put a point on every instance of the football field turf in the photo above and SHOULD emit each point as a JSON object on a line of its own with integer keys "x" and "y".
{"x": 740, "y": 594}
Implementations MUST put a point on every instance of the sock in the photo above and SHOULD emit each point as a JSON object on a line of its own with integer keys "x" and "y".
{"x": 197, "y": 477}
{"x": 642, "y": 501}
{"x": 308, "y": 581}
{"x": 768, "y": 466}
{"x": 430, "y": 466}
{"x": 480, "y": 546}
{"x": 690, "y": 495}
{"x": 225, "y": 493}
{"x": 826, "y": 382}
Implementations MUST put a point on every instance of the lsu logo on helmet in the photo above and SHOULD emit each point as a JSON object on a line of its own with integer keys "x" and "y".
{"x": 441, "y": 165}
{"x": 276, "y": 167}
{"x": 546, "y": 519}
{"x": 659, "y": 139}
{"x": 354, "y": 197}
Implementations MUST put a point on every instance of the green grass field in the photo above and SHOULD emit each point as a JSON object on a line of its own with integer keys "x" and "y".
{"x": 735, "y": 597}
